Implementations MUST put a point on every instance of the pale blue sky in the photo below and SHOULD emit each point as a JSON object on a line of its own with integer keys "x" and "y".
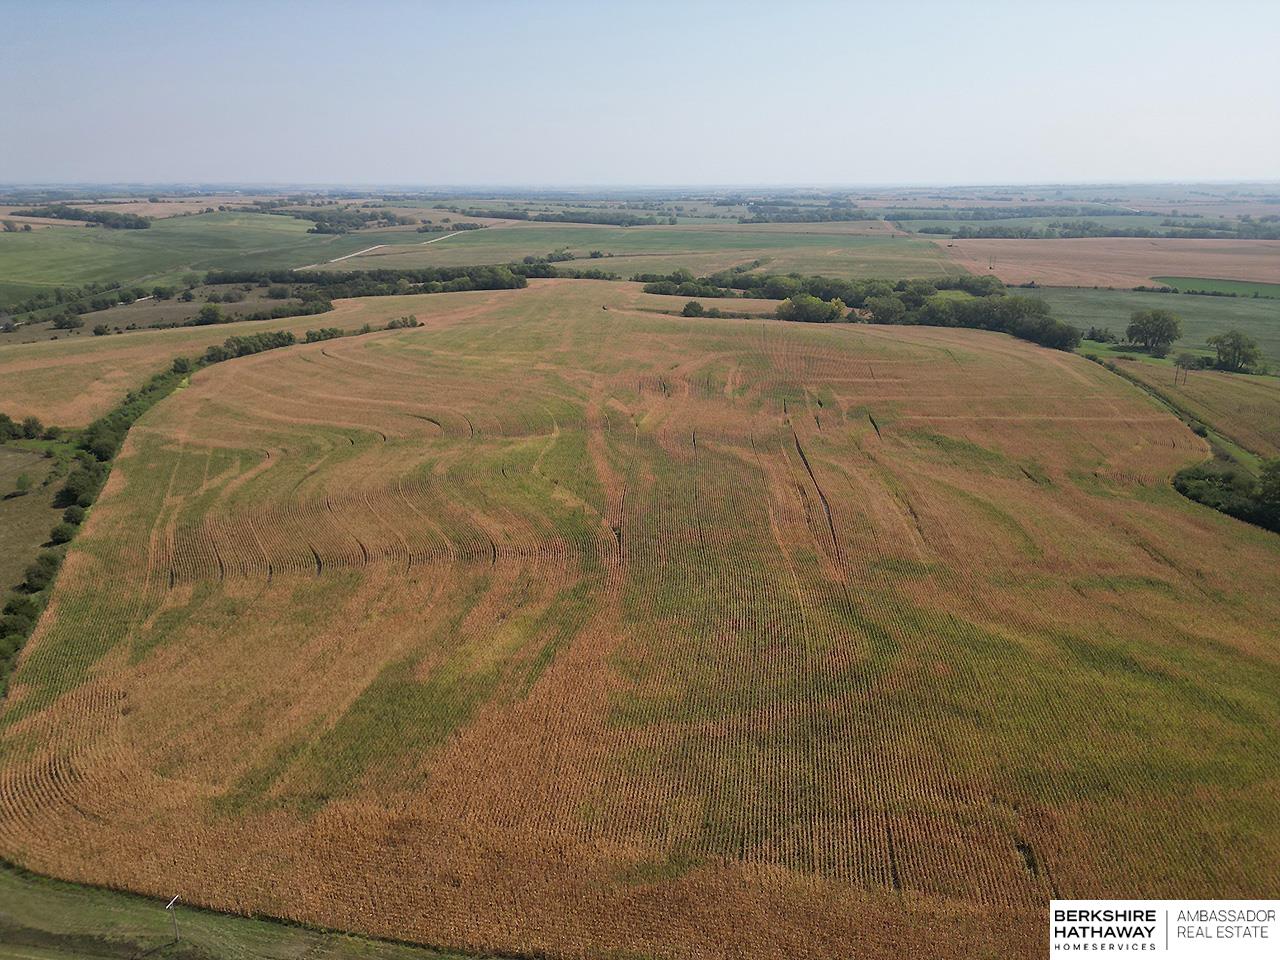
{"x": 644, "y": 93}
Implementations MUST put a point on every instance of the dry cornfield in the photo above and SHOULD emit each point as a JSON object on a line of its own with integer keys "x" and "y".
{"x": 1245, "y": 409}
{"x": 556, "y": 630}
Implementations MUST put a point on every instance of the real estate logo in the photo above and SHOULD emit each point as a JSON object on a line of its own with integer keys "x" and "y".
{"x": 1181, "y": 929}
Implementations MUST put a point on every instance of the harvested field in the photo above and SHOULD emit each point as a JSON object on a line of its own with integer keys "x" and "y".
{"x": 554, "y": 630}
{"x": 1244, "y": 409}
{"x": 1117, "y": 262}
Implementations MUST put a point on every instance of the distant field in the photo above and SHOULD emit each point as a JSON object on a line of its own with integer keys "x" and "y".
{"x": 564, "y": 631}
{"x": 1201, "y": 316}
{"x": 76, "y": 255}
{"x": 1117, "y": 220}
{"x": 1245, "y": 409}
{"x": 1240, "y": 288}
{"x": 837, "y": 250}
{"x": 1116, "y": 262}
{"x": 165, "y": 207}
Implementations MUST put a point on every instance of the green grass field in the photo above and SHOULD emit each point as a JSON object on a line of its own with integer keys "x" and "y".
{"x": 42, "y": 919}
{"x": 68, "y": 256}
{"x": 1201, "y": 316}
{"x": 836, "y": 251}
{"x": 1241, "y": 288}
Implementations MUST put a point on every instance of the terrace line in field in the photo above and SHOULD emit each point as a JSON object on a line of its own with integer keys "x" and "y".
{"x": 551, "y": 629}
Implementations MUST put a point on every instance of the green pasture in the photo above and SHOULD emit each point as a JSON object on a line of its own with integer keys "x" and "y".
{"x": 1201, "y": 316}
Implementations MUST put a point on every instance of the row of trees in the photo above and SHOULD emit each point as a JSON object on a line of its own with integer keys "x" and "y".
{"x": 382, "y": 283}
{"x": 731, "y": 283}
{"x": 106, "y": 218}
{"x": 28, "y": 428}
{"x": 829, "y": 300}
{"x": 74, "y": 299}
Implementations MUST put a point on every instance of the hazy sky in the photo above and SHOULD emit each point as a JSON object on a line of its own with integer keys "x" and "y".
{"x": 638, "y": 93}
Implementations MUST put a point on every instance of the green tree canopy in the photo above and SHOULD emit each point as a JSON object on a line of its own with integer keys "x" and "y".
{"x": 1154, "y": 329}
{"x": 1236, "y": 352}
{"x": 886, "y": 309}
{"x": 807, "y": 308}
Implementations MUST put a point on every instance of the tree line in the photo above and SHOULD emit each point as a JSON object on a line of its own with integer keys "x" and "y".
{"x": 390, "y": 282}
{"x": 106, "y": 218}
{"x": 776, "y": 286}
{"x": 830, "y": 300}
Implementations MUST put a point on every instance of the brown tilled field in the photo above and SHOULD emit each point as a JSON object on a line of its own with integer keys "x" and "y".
{"x": 552, "y": 630}
{"x": 1116, "y": 262}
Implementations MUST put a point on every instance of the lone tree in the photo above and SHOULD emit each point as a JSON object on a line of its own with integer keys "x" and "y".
{"x": 1236, "y": 352}
{"x": 1154, "y": 329}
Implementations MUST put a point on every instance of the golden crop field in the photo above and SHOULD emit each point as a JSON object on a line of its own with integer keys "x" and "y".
{"x": 559, "y": 630}
{"x": 71, "y": 380}
{"x": 1243, "y": 408}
